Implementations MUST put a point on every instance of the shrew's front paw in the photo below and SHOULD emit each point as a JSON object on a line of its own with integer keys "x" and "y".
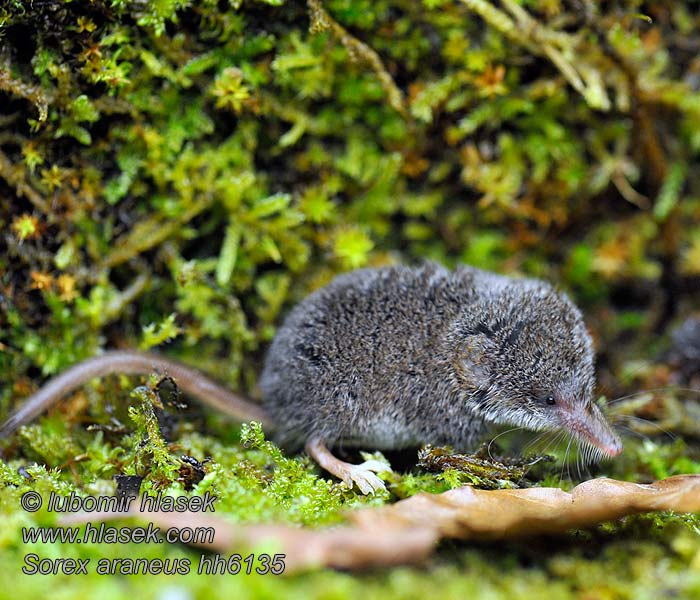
{"x": 363, "y": 476}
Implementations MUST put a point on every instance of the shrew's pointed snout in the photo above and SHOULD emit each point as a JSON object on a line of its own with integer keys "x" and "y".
{"x": 588, "y": 423}
{"x": 613, "y": 448}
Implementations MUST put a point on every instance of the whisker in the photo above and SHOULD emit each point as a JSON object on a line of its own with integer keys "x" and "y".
{"x": 565, "y": 463}
{"x": 488, "y": 448}
{"x": 582, "y": 451}
{"x": 630, "y": 431}
{"x": 586, "y": 456}
{"x": 627, "y": 377}
{"x": 670, "y": 434}
{"x": 614, "y": 401}
{"x": 578, "y": 465}
{"x": 590, "y": 454}
{"x": 554, "y": 441}
{"x": 539, "y": 438}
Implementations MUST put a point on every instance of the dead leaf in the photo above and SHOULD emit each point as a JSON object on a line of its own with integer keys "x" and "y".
{"x": 409, "y": 530}
{"x": 468, "y": 513}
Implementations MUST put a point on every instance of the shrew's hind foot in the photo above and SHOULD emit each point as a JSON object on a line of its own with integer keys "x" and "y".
{"x": 362, "y": 475}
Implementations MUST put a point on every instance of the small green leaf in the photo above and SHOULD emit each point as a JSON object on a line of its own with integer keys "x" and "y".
{"x": 270, "y": 248}
{"x": 270, "y": 205}
{"x": 228, "y": 254}
{"x": 84, "y": 110}
{"x": 352, "y": 246}
{"x": 65, "y": 255}
{"x": 670, "y": 191}
{"x": 156, "y": 334}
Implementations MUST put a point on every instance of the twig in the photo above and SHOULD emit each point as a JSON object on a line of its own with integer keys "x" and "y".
{"x": 359, "y": 51}
{"x": 15, "y": 178}
{"x": 557, "y": 46}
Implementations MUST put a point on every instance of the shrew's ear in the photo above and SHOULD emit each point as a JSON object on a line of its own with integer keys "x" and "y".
{"x": 470, "y": 360}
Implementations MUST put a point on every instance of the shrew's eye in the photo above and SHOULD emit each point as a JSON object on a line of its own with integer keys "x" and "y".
{"x": 541, "y": 399}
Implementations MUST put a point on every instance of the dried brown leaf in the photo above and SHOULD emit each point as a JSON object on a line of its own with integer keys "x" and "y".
{"x": 409, "y": 530}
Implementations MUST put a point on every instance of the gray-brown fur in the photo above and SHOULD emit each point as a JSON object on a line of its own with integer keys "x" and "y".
{"x": 400, "y": 356}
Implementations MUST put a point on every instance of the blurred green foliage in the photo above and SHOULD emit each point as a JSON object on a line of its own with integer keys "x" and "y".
{"x": 183, "y": 172}
{"x": 221, "y": 160}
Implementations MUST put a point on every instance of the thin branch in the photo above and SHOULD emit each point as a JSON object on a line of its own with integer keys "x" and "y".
{"x": 557, "y": 46}
{"x": 16, "y": 179}
{"x": 31, "y": 93}
{"x": 359, "y": 51}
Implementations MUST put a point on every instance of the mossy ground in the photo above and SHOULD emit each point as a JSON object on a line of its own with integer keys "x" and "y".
{"x": 641, "y": 557}
{"x": 177, "y": 174}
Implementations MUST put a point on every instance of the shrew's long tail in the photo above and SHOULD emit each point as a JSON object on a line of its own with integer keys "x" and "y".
{"x": 128, "y": 362}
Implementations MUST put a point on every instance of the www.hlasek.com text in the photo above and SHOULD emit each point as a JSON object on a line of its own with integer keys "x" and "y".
{"x": 107, "y": 534}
